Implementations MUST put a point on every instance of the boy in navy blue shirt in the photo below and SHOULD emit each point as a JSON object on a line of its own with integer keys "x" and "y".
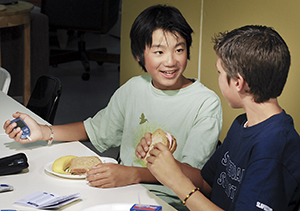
{"x": 258, "y": 165}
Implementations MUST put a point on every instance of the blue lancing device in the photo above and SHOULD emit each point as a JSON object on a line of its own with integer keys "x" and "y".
{"x": 23, "y": 126}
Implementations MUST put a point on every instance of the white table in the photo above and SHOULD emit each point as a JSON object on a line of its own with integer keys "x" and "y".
{"x": 37, "y": 179}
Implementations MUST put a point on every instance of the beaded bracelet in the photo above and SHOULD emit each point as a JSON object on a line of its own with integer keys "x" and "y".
{"x": 51, "y": 135}
{"x": 189, "y": 195}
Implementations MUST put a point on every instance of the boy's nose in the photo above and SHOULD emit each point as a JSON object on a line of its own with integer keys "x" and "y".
{"x": 170, "y": 60}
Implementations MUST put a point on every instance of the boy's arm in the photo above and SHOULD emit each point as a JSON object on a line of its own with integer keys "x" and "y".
{"x": 195, "y": 177}
{"x": 172, "y": 174}
{"x": 192, "y": 173}
{"x": 68, "y": 132}
{"x": 196, "y": 201}
{"x": 109, "y": 175}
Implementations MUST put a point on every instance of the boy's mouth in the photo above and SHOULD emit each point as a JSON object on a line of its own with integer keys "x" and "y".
{"x": 168, "y": 72}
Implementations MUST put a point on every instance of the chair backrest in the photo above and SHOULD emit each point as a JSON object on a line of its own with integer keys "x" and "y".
{"x": 45, "y": 97}
{"x": 4, "y": 80}
{"x": 92, "y": 15}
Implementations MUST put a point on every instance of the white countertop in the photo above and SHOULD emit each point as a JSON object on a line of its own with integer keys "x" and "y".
{"x": 35, "y": 178}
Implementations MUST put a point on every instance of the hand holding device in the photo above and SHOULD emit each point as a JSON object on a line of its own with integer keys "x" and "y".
{"x": 23, "y": 126}
{"x": 35, "y": 130}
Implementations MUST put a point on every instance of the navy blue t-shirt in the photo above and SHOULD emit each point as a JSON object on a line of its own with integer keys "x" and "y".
{"x": 258, "y": 167}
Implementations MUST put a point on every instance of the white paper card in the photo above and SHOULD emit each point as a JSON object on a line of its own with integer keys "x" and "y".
{"x": 42, "y": 200}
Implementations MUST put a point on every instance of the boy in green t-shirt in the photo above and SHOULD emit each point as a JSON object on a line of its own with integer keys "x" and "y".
{"x": 160, "y": 42}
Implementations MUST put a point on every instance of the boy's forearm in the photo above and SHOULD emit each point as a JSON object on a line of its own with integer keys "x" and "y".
{"x": 181, "y": 187}
{"x": 197, "y": 201}
{"x": 194, "y": 175}
{"x": 143, "y": 175}
{"x": 68, "y": 132}
{"x": 184, "y": 186}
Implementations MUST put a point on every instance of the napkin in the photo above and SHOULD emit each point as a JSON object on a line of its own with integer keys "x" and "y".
{"x": 45, "y": 200}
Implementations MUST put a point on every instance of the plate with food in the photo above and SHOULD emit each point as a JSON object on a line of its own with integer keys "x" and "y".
{"x": 75, "y": 167}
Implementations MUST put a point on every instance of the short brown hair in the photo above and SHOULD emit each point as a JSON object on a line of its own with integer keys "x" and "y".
{"x": 259, "y": 55}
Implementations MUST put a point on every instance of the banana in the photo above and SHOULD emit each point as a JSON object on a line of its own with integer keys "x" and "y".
{"x": 61, "y": 164}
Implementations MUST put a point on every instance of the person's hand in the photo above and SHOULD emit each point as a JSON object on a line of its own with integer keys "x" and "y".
{"x": 163, "y": 166}
{"x": 15, "y": 134}
{"x": 110, "y": 175}
{"x": 143, "y": 147}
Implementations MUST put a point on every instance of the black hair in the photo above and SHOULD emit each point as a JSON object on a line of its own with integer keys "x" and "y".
{"x": 163, "y": 17}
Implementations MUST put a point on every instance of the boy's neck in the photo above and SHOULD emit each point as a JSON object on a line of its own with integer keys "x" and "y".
{"x": 186, "y": 82}
{"x": 183, "y": 82}
{"x": 259, "y": 112}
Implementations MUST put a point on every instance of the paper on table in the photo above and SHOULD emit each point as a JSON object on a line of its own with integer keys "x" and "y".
{"x": 42, "y": 199}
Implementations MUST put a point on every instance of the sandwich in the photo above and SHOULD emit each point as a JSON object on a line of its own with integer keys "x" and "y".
{"x": 81, "y": 165}
{"x": 165, "y": 138}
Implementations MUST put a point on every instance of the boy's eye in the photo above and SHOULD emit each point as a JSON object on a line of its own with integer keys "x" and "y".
{"x": 158, "y": 52}
{"x": 180, "y": 50}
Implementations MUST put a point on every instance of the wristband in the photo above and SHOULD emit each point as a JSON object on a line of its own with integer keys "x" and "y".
{"x": 51, "y": 135}
{"x": 189, "y": 195}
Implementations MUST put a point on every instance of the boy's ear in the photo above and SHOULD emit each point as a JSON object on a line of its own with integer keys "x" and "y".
{"x": 137, "y": 58}
{"x": 240, "y": 83}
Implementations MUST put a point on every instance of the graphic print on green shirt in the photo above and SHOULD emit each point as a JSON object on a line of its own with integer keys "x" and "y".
{"x": 143, "y": 120}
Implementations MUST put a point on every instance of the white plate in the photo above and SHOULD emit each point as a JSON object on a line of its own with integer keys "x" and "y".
{"x": 48, "y": 168}
{"x": 110, "y": 207}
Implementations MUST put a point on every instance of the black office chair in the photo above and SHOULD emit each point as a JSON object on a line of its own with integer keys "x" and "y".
{"x": 45, "y": 97}
{"x": 97, "y": 16}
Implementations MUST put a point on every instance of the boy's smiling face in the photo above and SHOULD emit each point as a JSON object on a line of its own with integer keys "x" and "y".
{"x": 166, "y": 60}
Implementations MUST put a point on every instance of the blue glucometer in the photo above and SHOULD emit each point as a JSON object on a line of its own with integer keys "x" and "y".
{"x": 23, "y": 126}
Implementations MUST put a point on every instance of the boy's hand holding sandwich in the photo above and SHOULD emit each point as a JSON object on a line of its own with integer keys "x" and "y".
{"x": 149, "y": 142}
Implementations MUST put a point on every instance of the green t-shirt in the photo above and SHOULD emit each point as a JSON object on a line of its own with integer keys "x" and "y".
{"x": 193, "y": 115}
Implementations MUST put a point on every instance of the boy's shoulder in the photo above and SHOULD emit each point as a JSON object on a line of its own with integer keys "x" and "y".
{"x": 139, "y": 79}
{"x": 281, "y": 118}
{"x": 135, "y": 82}
{"x": 278, "y": 125}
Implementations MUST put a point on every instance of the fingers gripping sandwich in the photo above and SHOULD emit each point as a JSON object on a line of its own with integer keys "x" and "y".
{"x": 161, "y": 136}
